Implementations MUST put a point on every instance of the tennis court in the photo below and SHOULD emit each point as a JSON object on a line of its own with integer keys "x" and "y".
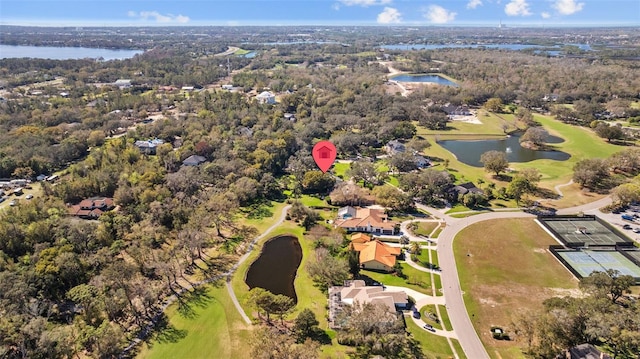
{"x": 574, "y": 231}
{"x": 586, "y": 261}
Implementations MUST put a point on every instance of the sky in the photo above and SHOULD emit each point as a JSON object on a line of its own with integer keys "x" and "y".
{"x": 320, "y": 12}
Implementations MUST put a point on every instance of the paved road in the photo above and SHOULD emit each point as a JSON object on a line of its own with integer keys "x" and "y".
{"x": 458, "y": 315}
{"x": 229, "y": 51}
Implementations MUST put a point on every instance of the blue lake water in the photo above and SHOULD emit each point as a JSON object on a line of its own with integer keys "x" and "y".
{"x": 515, "y": 47}
{"x": 64, "y": 53}
{"x": 276, "y": 267}
{"x": 469, "y": 152}
{"x": 424, "y": 78}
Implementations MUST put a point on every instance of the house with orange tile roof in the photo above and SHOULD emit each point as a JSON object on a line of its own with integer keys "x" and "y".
{"x": 360, "y": 238}
{"x": 376, "y": 255}
{"x": 367, "y": 220}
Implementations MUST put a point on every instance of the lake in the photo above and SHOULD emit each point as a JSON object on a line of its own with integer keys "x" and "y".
{"x": 436, "y": 79}
{"x": 515, "y": 47}
{"x": 64, "y": 53}
{"x": 276, "y": 267}
{"x": 469, "y": 152}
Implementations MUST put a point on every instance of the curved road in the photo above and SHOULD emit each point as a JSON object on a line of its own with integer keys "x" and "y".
{"x": 457, "y": 311}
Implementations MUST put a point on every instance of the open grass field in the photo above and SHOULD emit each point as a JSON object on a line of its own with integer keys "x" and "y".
{"x": 434, "y": 346}
{"x": 213, "y": 329}
{"x": 493, "y": 125}
{"x": 505, "y": 268}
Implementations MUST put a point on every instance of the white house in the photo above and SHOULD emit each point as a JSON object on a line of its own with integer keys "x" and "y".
{"x": 123, "y": 83}
{"x": 266, "y": 97}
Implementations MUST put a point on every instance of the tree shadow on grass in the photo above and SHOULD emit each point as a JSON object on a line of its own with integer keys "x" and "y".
{"x": 190, "y": 300}
{"x": 165, "y": 332}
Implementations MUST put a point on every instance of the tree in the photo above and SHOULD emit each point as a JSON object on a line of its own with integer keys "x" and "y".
{"x": 391, "y": 197}
{"x": 626, "y": 161}
{"x": 494, "y": 161}
{"x": 327, "y": 270}
{"x": 307, "y": 216}
{"x": 536, "y": 135}
{"x": 403, "y": 162}
{"x": 493, "y": 104}
{"x": 519, "y": 186}
{"x": 353, "y": 258}
{"x": 366, "y": 172}
{"x": 610, "y": 132}
{"x": 415, "y": 248}
{"x": 318, "y": 182}
{"x": 347, "y": 193}
{"x": 591, "y": 172}
{"x": 525, "y": 116}
{"x": 272, "y": 344}
{"x": 305, "y": 326}
{"x": 626, "y": 193}
{"x": 610, "y": 283}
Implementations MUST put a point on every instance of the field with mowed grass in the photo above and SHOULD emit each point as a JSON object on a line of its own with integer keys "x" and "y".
{"x": 210, "y": 328}
{"x": 505, "y": 268}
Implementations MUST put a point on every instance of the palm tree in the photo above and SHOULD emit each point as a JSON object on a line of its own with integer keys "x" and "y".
{"x": 415, "y": 248}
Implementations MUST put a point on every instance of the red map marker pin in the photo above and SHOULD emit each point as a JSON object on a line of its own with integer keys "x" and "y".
{"x": 324, "y": 153}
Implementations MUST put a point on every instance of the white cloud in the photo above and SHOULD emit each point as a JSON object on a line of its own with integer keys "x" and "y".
{"x": 517, "y": 8}
{"x": 439, "y": 15}
{"x": 389, "y": 16}
{"x": 335, "y": 6}
{"x": 545, "y": 15}
{"x": 568, "y": 7}
{"x": 365, "y": 3}
{"x": 472, "y": 4}
{"x": 158, "y": 17}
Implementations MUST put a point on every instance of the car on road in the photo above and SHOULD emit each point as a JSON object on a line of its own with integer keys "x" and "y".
{"x": 429, "y": 328}
{"x": 626, "y": 226}
{"x": 627, "y": 217}
{"x": 13, "y": 203}
{"x": 636, "y": 230}
{"x": 29, "y": 196}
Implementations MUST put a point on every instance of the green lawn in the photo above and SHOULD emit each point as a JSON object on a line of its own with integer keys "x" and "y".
{"x": 340, "y": 169}
{"x": 212, "y": 329}
{"x": 446, "y": 322}
{"x": 416, "y": 279}
{"x": 458, "y": 347}
{"x": 311, "y": 201}
{"x": 424, "y": 315}
{"x": 425, "y": 228}
{"x": 498, "y": 284}
{"x": 241, "y": 52}
{"x": 434, "y": 346}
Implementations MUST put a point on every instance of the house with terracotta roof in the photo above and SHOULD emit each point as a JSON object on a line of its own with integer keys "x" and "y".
{"x": 357, "y": 292}
{"x": 367, "y": 220}
{"x": 360, "y": 238}
{"x": 92, "y": 208}
{"x": 376, "y": 255}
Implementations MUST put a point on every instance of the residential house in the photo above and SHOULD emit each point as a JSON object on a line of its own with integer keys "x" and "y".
{"x": 357, "y": 292}
{"x": 123, "y": 83}
{"x": 453, "y": 111}
{"x": 360, "y": 238}
{"x": 92, "y": 208}
{"x": 368, "y": 220}
{"x": 193, "y": 160}
{"x": 550, "y": 97}
{"x": 376, "y": 255}
{"x": 467, "y": 187}
{"x": 421, "y": 161}
{"x": 585, "y": 351}
{"x": 188, "y": 88}
{"x": 148, "y": 147}
{"x": 266, "y": 97}
{"x": 394, "y": 147}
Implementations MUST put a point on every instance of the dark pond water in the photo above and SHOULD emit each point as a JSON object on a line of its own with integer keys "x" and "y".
{"x": 275, "y": 269}
{"x": 64, "y": 53}
{"x": 469, "y": 152}
{"x": 424, "y": 78}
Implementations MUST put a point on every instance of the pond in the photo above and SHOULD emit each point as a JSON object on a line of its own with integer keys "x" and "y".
{"x": 276, "y": 267}
{"x": 436, "y": 79}
{"x": 469, "y": 152}
{"x": 64, "y": 53}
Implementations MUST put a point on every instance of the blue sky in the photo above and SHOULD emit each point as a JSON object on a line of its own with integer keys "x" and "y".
{"x": 319, "y": 12}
